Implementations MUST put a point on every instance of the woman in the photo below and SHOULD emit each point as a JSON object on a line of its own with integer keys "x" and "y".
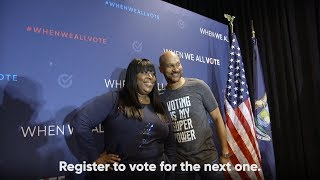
{"x": 136, "y": 128}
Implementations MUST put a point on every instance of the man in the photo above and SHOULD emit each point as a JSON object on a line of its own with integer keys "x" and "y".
{"x": 188, "y": 100}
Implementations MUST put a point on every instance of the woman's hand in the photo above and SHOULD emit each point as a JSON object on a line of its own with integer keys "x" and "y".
{"x": 106, "y": 158}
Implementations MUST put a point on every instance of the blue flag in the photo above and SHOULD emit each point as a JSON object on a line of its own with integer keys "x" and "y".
{"x": 262, "y": 118}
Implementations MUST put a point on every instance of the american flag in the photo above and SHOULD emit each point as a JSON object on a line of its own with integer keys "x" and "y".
{"x": 240, "y": 126}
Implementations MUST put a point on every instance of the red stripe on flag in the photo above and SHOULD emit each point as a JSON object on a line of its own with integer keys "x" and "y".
{"x": 234, "y": 160}
{"x": 239, "y": 140}
{"x": 254, "y": 141}
{"x": 246, "y": 126}
{"x": 227, "y": 175}
{"x": 240, "y": 143}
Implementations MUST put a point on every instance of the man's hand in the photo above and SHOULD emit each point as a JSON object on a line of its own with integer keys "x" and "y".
{"x": 224, "y": 160}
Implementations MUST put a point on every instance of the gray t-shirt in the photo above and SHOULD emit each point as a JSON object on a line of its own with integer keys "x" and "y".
{"x": 188, "y": 107}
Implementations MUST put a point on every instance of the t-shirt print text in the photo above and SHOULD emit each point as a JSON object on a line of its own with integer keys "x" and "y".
{"x": 182, "y": 123}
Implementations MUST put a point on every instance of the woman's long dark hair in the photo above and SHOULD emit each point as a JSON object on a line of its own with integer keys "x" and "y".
{"x": 129, "y": 103}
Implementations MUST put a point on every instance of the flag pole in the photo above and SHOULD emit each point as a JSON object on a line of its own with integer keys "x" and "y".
{"x": 254, "y": 62}
{"x": 252, "y": 30}
{"x": 230, "y": 19}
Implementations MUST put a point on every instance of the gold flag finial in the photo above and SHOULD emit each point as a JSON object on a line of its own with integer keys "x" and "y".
{"x": 230, "y": 19}
{"x": 252, "y": 30}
